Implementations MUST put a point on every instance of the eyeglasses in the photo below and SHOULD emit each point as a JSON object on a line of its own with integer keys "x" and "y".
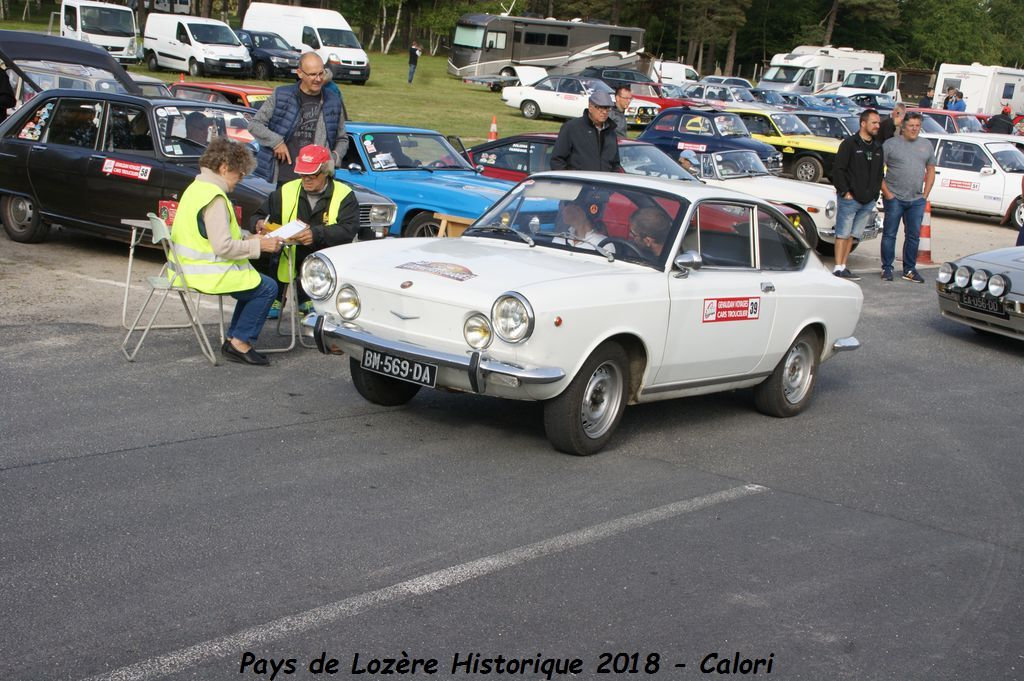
{"x": 314, "y": 76}
{"x": 628, "y": 98}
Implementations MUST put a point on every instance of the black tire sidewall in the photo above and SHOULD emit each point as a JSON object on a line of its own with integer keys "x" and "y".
{"x": 381, "y": 390}
{"x": 32, "y": 234}
{"x": 768, "y": 396}
{"x": 419, "y": 222}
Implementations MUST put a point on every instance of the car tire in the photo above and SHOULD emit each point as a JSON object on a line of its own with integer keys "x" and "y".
{"x": 530, "y": 110}
{"x": 808, "y": 169}
{"x": 152, "y": 63}
{"x": 262, "y": 71}
{"x": 424, "y": 224}
{"x": 787, "y": 392}
{"x": 194, "y": 69}
{"x": 21, "y": 220}
{"x": 584, "y": 417}
{"x": 1017, "y": 217}
{"x": 382, "y": 390}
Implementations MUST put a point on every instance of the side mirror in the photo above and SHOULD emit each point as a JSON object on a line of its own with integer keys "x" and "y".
{"x": 355, "y": 168}
{"x": 686, "y": 261}
{"x": 988, "y": 170}
{"x": 478, "y": 168}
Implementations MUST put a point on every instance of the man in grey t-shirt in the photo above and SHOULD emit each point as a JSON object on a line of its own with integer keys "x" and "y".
{"x": 910, "y": 172}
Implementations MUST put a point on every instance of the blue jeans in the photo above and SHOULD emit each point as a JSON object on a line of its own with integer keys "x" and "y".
{"x": 251, "y": 310}
{"x": 412, "y": 70}
{"x": 912, "y": 212}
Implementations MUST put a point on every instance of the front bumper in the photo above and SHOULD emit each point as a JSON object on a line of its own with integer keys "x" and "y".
{"x": 1008, "y": 322}
{"x": 871, "y": 231}
{"x": 473, "y": 371}
{"x": 234, "y": 67}
{"x": 350, "y": 72}
{"x": 641, "y": 116}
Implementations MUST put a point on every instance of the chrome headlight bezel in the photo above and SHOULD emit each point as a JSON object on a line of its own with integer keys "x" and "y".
{"x": 979, "y": 280}
{"x": 382, "y": 215}
{"x": 998, "y": 285}
{"x": 348, "y": 296}
{"x": 313, "y": 289}
{"x": 945, "y": 273}
{"x": 962, "y": 276}
{"x": 830, "y": 209}
{"x": 505, "y": 303}
{"x": 477, "y": 331}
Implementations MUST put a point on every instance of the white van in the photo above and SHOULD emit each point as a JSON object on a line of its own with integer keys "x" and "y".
{"x": 111, "y": 27}
{"x": 173, "y": 6}
{"x": 193, "y": 44}
{"x": 310, "y": 29}
{"x": 811, "y": 68}
{"x": 987, "y": 89}
{"x": 673, "y": 72}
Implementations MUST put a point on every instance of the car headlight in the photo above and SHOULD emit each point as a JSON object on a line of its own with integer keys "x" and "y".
{"x": 512, "y": 317}
{"x": 477, "y": 331}
{"x": 382, "y": 215}
{"x": 945, "y": 274}
{"x": 962, "y": 277}
{"x": 131, "y": 46}
{"x": 348, "y": 303}
{"x": 830, "y": 209}
{"x": 318, "y": 277}
{"x": 334, "y": 58}
{"x": 998, "y": 285}
{"x": 279, "y": 61}
{"x": 979, "y": 280}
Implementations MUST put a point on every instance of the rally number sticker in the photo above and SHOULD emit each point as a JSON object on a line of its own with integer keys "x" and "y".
{"x": 692, "y": 146}
{"x": 731, "y": 309}
{"x": 135, "y": 171}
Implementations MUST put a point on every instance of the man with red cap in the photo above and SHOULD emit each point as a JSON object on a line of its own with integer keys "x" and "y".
{"x": 1001, "y": 123}
{"x": 328, "y": 208}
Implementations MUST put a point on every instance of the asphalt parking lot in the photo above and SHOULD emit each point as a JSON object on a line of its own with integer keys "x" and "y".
{"x": 163, "y": 518}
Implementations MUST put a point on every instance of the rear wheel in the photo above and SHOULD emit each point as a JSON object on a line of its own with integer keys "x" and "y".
{"x": 424, "y": 224}
{"x": 382, "y": 390}
{"x": 808, "y": 169}
{"x": 21, "y": 220}
{"x": 262, "y": 71}
{"x": 1018, "y": 214}
{"x": 530, "y": 109}
{"x": 194, "y": 69}
{"x": 151, "y": 63}
{"x": 788, "y": 390}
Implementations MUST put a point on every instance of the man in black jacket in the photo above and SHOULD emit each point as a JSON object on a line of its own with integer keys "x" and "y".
{"x": 1001, "y": 123}
{"x": 857, "y": 176}
{"x": 7, "y": 100}
{"x": 588, "y": 142}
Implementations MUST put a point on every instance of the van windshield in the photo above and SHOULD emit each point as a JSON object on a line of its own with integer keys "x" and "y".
{"x": 336, "y": 37}
{"x": 469, "y": 36}
{"x": 782, "y": 74}
{"x": 213, "y": 34}
{"x": 868, "y": 81}
{"x": 108, "y": 21}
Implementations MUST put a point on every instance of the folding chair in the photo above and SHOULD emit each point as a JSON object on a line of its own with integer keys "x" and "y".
{"x": 167, "y": 282}
{"x": 289, "y": 252}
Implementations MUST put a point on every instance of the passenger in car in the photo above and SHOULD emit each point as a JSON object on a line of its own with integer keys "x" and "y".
{"x": 574, "y": 216}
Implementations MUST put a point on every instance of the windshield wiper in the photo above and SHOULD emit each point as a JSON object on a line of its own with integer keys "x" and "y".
{"x": 572, "y": 240}
{"x": 502, "y": 228}
{"x": 429, "y": 170}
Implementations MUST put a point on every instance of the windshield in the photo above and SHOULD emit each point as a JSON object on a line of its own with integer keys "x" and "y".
{"x": 868, "y": 81}
{"x": 638, "y": 225}
{"x": 108, "y": 21}
{"x": 186, "y": 130}
{"x": 968, "y": 124}
{"x": 771, "y": 97}
{"x": 852, "y": 123}
{"x": 643, "y": 89}
{"x": 884, "y": 102}
{"x": 469, "y": 36}
{"x": 50, "y": 75}
{"x": 336, "y": 37}
{"x": 789, "y": 124}
{"x": 782, "y": 74}
{"x": 731, "y": 125}
{"x": 672, "y": 91}
{"x": 730, "y": 164}
{"x": 270, "y": 41}
{"x": 814, "y": 101}
{"x": 213, "y": 34}
{"x": 929, "y": 124}
{"x": 1009, "y": 157}
{"x": 742, "y": 94}
{"x": 155, "y": 90}
{"x": 647, "y": 159}
{"x": 409, "y": 151}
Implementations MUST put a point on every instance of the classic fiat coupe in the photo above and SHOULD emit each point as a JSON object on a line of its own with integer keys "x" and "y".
{"x": 588, "y": 292}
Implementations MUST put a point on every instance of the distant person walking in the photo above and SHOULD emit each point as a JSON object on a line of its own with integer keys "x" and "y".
{"x": 7, "y": 100}
{"x": 623, "y": 96}
{"x": 890, "y": 127}
{"x": 414, "y": 58}
{"x": 1001, "y": 123}
{"x": 857, "y": 175}
{"x": 910, "y": 173}
{"x": 588, "y": 142}
{"x": 928, "y": 101}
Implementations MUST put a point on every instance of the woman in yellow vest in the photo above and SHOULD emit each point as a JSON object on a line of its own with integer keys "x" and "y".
{"x": 213, "y": 252}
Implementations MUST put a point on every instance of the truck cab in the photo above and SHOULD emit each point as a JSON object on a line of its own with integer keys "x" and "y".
{"x": 108, "y": 26}
{"x": 870, "y": 81}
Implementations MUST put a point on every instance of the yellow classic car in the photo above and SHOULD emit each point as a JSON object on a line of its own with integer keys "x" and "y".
{"x": 805, "y": 156}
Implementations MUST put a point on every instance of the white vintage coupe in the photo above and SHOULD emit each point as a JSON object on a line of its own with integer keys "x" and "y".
{"x": 588, "y": 292}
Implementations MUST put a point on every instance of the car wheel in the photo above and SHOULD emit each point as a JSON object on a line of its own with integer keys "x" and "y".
{"x": 21, "y": 220}
{"x": 808, "y": 169}
{"x": 583, "y": 418}
{"x": 424, "y": 224}
{"x": 788, "y": 390}
{"x": 262, "y": 71}
{"x": 194, "y": 69}
{"x": 382, "y": 390}
{"x": 530, "y": 109}
{"x": 1018, "y": 214}
{"x": 151, "y": 63}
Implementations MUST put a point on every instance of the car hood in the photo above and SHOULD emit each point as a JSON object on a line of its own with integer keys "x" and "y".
{"x": 283, "y": 54}
{"x": 1000, "y": 261}
{"x": 780, "y": 189}
{"x": 463, "y": 192}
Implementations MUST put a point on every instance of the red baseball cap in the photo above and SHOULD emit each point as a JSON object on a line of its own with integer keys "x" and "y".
{"x": 1007, "y": 109}
{"x": 311, "y": 157}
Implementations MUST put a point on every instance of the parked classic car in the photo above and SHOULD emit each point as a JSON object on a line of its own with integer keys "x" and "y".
{"x": 829, "y": 123}
{"x": 703, "y": 130}
{"x": 841, "y": 103}
{"x": 951, "y": 121}
{"x": 883, "y": 104}
{"x": 614, "y": 77}
{"x": 90, "y": 159}
{"x": 421, "y": 172}
{"x": 271, "y": 54}
{"x": 728, "y": 80}
{"x": 251, "y": 96}
{"x": 985, "y": 291}
{"x": 566, "y": 97}
{"x": 672, "y": 301}
{"x": 150, "y": 86}
{"x": 804, "y": 156}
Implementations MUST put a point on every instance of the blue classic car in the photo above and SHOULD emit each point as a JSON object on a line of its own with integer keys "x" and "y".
{"x": 421, "y": 172}
{"x": 705, "y": 131}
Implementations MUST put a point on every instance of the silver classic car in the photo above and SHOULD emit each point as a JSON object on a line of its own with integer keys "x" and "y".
{"x": 985, "y": 291}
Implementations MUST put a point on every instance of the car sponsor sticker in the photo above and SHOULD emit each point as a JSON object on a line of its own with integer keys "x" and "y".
{"x": 161, "y": 112}
{"x": 731, "y": 309}
{"x": 384, "y": 161}
{"x": 173, "y": 111}
{"x": 448, "y": 270}
{"x": 961, "y": 184}
{"x": 692, "y": 146}
{"x": 135, "y": 171}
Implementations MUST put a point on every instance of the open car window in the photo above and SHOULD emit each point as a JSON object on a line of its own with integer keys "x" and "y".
{"x": 186, "y": 130}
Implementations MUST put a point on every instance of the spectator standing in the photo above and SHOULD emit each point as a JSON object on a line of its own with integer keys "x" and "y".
{"x": 308, "y": 112}
{"x": 414, "y": 58}
{"x": 891, "y": 125}
{"x": 857, "y": 175}
{"x": 623, "y": 96}
{"x": 7, "y": 100}
{"x": 910, "y": 173}
{"x": 928, "y": 101}
{"x": 954, "y": 100}
{"x": 1001, "y": 123}
{"x": 588, "y": 142}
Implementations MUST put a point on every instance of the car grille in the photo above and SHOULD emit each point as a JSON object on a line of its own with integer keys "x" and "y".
{"x": 364, "y": 216}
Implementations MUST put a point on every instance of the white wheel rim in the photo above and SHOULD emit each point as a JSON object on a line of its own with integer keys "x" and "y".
{"x": 602, "y": 399}
{"x": 1019, "y": 213}
{"x": 797, "y": 373}
{"x": 21, "y": 212}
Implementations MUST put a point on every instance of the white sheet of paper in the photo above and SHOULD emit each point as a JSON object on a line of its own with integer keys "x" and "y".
{"x": 289, "y": 230}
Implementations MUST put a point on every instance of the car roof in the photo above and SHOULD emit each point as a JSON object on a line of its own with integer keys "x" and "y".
{"x": 551, "y": 136}
{"x": 690, "y": 190}
{"x": 240, "y": 88}
{"x": 360, "y": 127}
{"x": 818, "y": 112}
{"x": 694, "y": 110}
{"x": 125, "y": 97}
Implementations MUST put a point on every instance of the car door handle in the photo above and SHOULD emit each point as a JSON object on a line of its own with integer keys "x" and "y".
{"x": 39, "y": 147}
{"x": 98, "y": 157}
{"x": 767, "y": 287}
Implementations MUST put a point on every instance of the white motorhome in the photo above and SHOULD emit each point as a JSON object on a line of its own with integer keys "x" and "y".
{"x": 173, "y": 6}
{"x": 193, "y": 44}
{"x": 809, "y": 68}
{"x": 870, "y": 81}
{"x": 105, "y": 25}
{"x": 310, "y": 29}
{"x": 987, "y": 89}
{"x": 673, "y": 72}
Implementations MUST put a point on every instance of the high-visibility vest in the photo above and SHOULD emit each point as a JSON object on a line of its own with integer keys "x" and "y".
{"x": 203, "y": 269}
{"x": 289, "y": 211}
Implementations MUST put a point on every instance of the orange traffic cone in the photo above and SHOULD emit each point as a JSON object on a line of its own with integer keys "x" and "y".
{"x": 181, "y": 77}
{"x": 924, "y": 248}
{"x": 493, "y": 134}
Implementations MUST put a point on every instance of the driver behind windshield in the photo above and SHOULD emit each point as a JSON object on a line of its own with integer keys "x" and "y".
{"x": 648, "y": 230}
{"x": 197, "y": 128}
{"x": 575, "y": 218}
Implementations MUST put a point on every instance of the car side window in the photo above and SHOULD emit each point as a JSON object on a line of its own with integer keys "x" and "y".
{"x": 724, "y": 234}
{"x": 666, "y": 122}
{"x": 309, "y": 37}
{"x": 34, "y": 129}
{"x": 128, "y": 130}
{"x": 351, "y": 154}
{"x": 547, "y": 85}
{"x": 961, "y": 156}
{"x": 540, "y": 157}
{"x": 515, "y": 156}
{"x": 695, "y": 125}
{"x": 779, "y": 248}
{"x": 570, "y": 86}
{"x": 76, "y": 122}
{"x": 757, "y": 125}
{"x": 182, "y": 34}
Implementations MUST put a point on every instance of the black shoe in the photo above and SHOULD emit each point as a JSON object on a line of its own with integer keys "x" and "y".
{"x": 886, "y": 274}
{"x": 250, "y": 357}
{"x": 913, "y": 276}
{"x": 845, "y": 273}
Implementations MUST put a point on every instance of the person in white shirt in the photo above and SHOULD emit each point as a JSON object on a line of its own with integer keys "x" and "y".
{"x": 574, "y": 216}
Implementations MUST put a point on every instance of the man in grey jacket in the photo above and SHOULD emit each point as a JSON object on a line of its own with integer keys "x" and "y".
{"x": 623, "y": 96}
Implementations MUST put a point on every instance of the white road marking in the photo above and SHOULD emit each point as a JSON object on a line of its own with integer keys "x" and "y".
{"x": 120, "y": 284}
{"x": 237, "y": 643}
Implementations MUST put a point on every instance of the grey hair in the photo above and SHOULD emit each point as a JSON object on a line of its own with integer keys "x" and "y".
{"x": 899, "y": 107}
{"x": 328, "y": 165}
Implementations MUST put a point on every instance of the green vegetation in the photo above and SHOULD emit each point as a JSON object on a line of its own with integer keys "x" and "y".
{"x": 38, "y": 17}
